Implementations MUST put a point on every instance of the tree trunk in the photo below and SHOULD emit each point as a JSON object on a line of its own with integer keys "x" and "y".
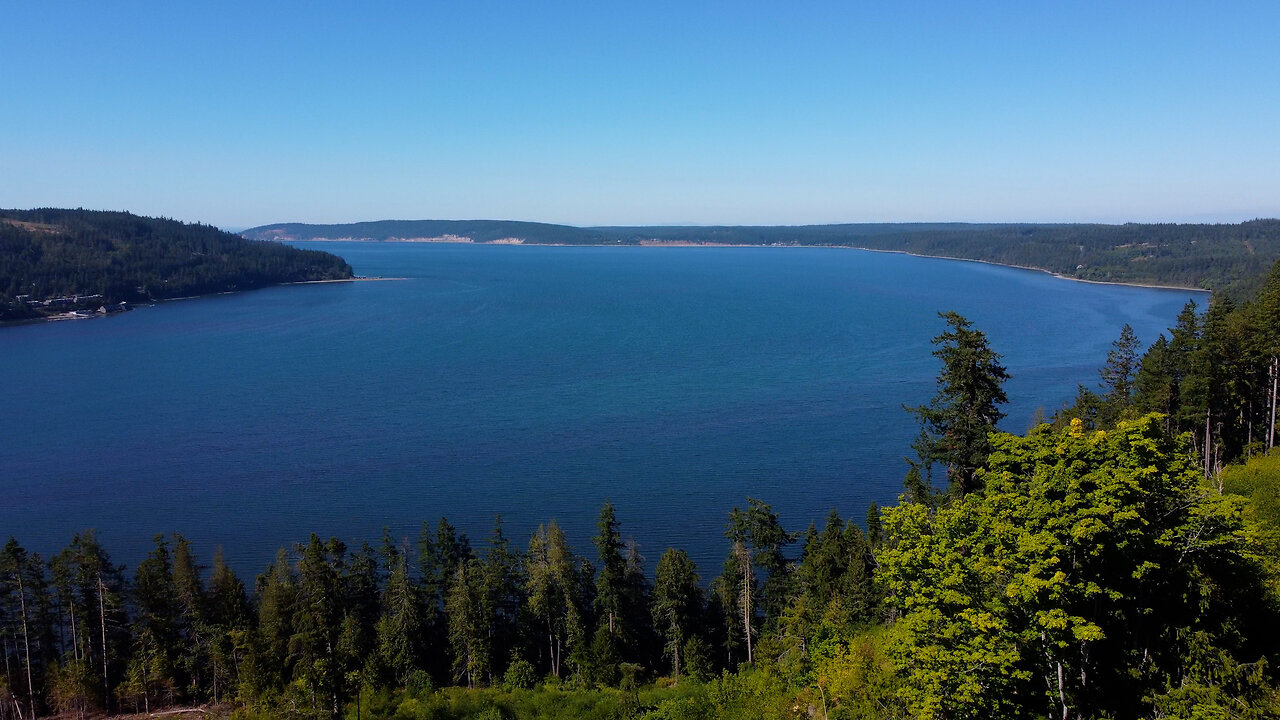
{"x": 1275, "y": 372}
{"x": 75, "y": 635}
{"x": 102, "y": 622}
{"x": 8, "y": 671}
{"x": 1208, "y": 444}
{"x": 676, "y": 664}
{"x": 744, "y": 598}
{"x": 26, "y": 643}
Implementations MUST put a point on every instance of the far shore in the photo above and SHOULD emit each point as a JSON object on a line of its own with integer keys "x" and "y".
{"x": 688, "y": 243}
{"x": 84, "y": 315}
{"x": 344, "y": 280}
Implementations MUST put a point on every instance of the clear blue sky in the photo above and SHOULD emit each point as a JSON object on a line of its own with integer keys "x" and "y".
{"x": 243, "y": 113}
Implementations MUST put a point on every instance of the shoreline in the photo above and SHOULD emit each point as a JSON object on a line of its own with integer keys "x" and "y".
{"x": 688, "y": 243}
{"x": 1060, "y": 276}
{"x": 73, "y": 315}
{"x": 340, "y": 280}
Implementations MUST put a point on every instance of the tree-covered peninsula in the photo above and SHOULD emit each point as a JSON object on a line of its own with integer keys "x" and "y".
{"x": 1226, "y": 258}
{"x": 54, "y": 261}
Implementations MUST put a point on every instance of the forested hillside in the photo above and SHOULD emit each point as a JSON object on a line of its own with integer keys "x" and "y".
{"x": 1227, "y": 258}
{"x": 55, "y": 260}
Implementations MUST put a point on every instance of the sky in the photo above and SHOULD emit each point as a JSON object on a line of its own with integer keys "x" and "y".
{"x": 245, "y": 113}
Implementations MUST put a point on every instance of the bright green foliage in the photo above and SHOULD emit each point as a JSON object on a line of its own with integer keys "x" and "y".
{"x": 1070, "y": 586}
{"x": 854, "y": 678}
{"x": 1258, "y": 481}
{"x": 957, "y": 422}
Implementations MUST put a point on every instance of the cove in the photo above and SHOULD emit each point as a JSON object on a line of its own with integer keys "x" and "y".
{"x": 531, "y": 382}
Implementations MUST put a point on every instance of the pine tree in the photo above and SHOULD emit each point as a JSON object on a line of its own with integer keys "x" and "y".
{"x": 677, "y": 604}
{"x": 399, "y": 630}
{"x": 961, "y": 417}
{"x": 502, "y": 598}
{"x": 468, "y": 636}
{"x": 1119, "y": 375}
{"x": 555, "y": 584}
{"x": 15, "y": 585}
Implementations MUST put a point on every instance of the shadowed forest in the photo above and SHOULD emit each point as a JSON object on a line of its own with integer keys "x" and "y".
{"x": 62, "y": 260}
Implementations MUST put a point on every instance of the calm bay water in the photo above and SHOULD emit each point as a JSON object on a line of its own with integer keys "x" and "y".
{"x": 535, "y": 382}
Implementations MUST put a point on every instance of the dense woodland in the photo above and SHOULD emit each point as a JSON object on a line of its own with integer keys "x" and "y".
{"x": 1226, "y": 258}
{"x": 116, "y": 257}
{"x": 1119, "y": 561}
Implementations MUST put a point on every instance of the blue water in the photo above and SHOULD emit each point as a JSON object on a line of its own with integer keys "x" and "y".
{"x": 535, "y": 382}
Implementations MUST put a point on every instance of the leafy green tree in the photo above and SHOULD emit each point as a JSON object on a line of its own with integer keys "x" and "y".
{"x": 1072, "y": 584}
{"x": 959, "y": 419}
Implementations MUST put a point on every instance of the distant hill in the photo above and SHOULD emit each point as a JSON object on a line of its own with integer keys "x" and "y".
{"x": 54, "y": 261}
{"x": 482, "y": 231}
{"x": 1228, "y": 258}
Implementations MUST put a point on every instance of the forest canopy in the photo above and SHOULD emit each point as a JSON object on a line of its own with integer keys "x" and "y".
{"x": 113, "y": 257}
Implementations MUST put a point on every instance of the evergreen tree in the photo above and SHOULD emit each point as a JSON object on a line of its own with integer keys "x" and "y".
{"x": 151, "y": 672}
{"x": 677, "y": 604}
{"x": 502, "y": 598}
{"x": 229, "y": 621}
{"x": 272, "y": 662}
{"x": 318, "y": 624}
{"x": 468, "y": 636}
{"x": 959, "y": 419}
{"x": 610, "y": 588}
{"x": 399, "y": 630}
{"x": 192, "y": 626}
{"x": 557, "y": 601}
{"x": 1119, "y": 376}
{"x": 17, "y": 601}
